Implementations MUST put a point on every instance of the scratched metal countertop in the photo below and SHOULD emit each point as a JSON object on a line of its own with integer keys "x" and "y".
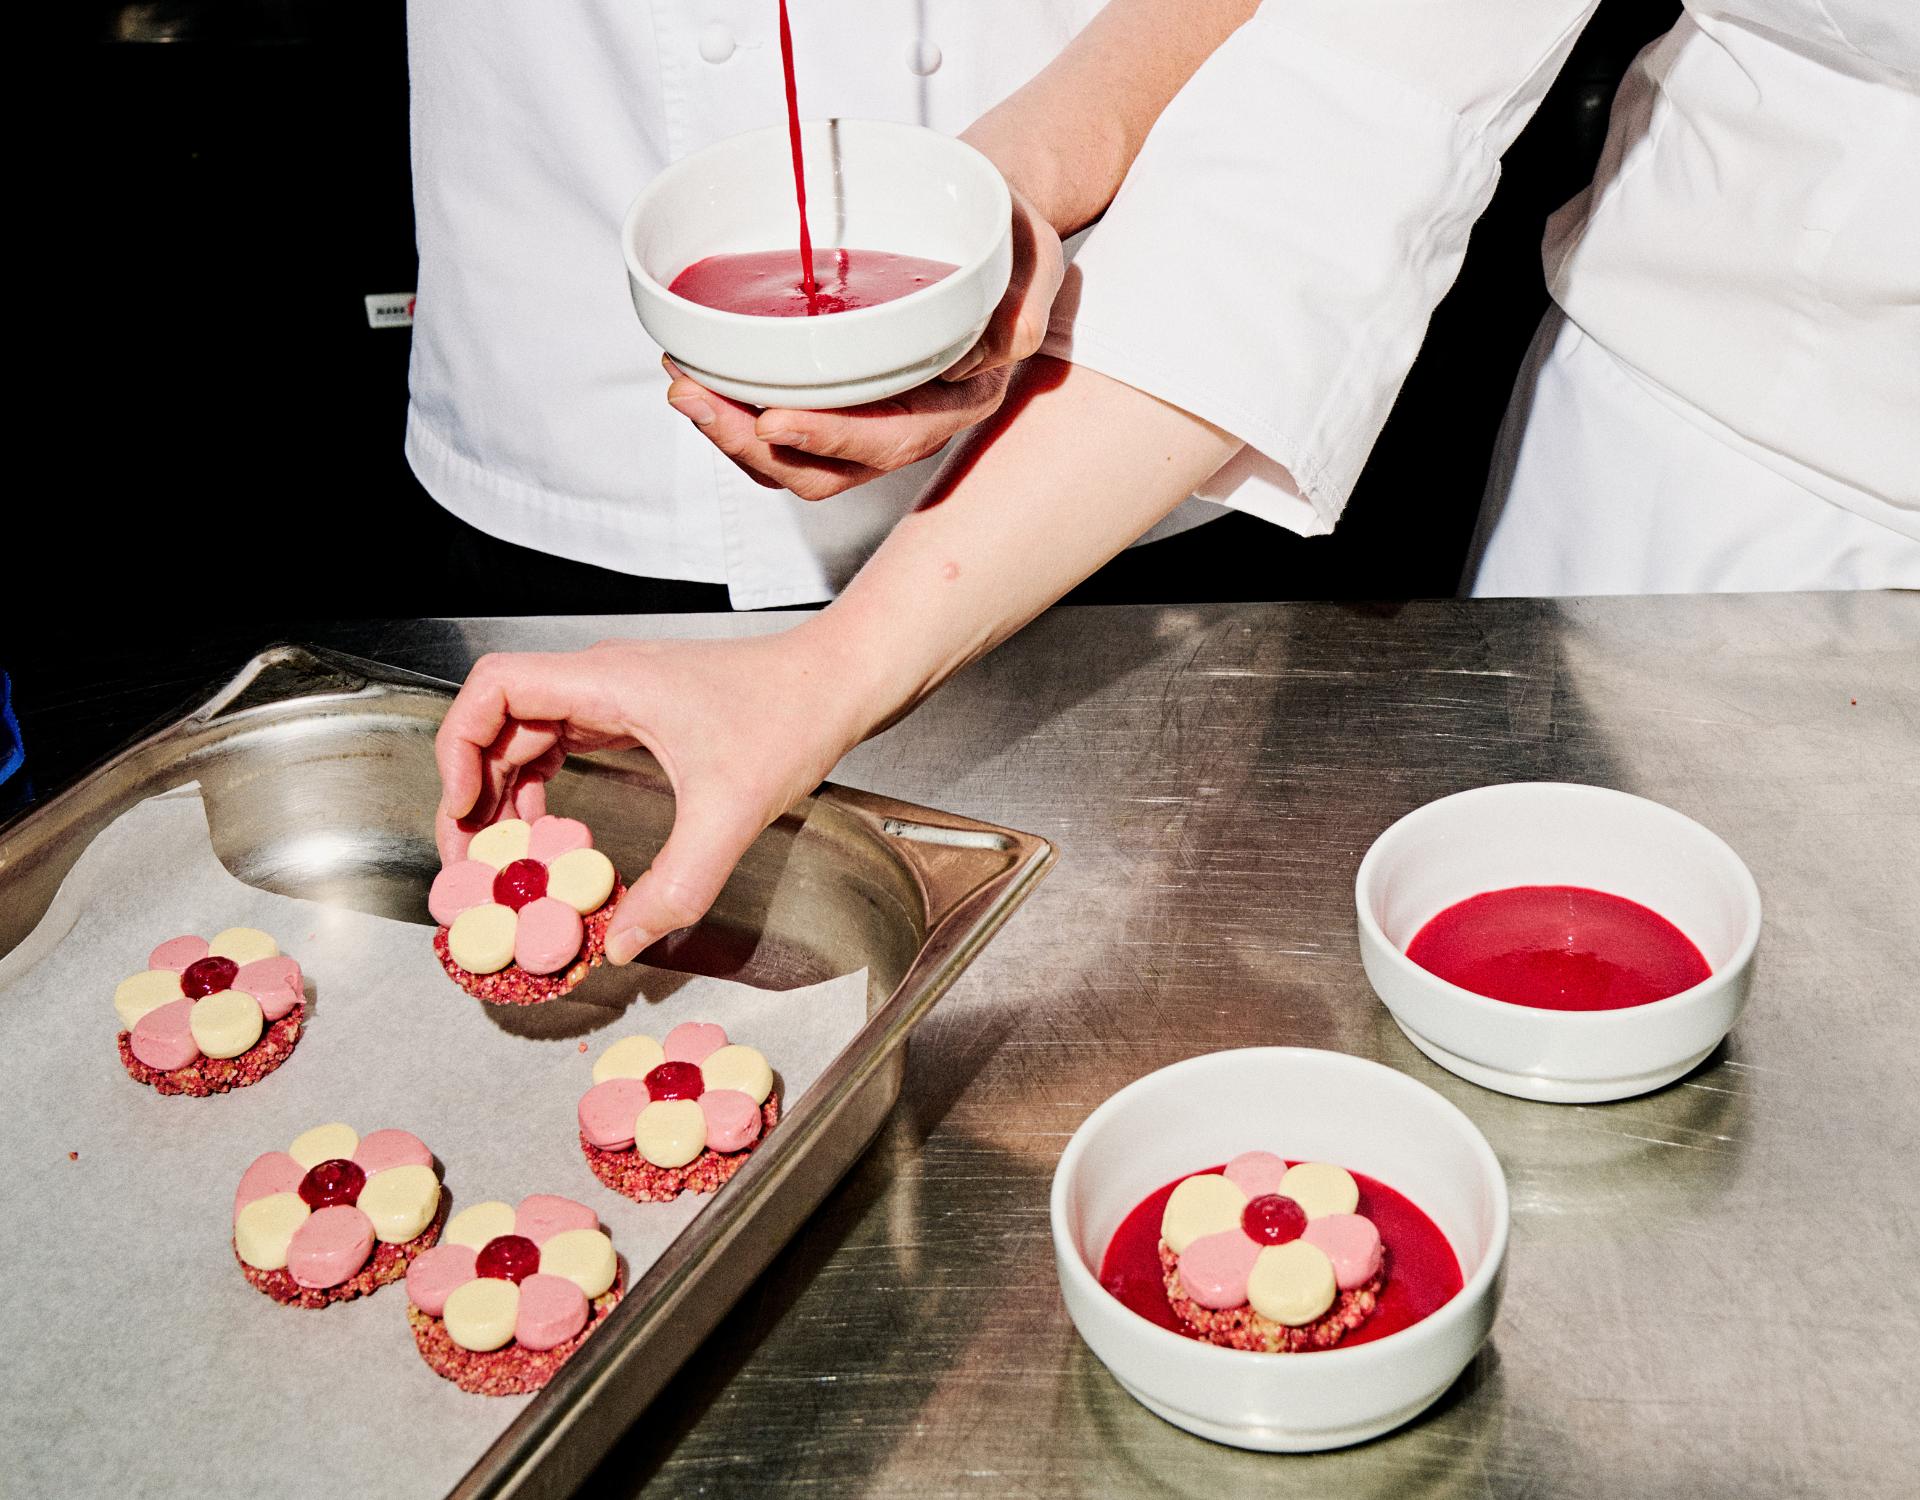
{"x": 1712, "y": 1289}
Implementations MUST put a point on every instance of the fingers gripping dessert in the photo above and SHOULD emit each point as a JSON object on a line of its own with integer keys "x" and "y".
{"x": 523, "y": 918}
{"x": 1264, "y": 1256}
{"x": 209, "y": 1015}
{"x": 335, "y": 1215}
{"x": 679, "y": 1115}
{"x": 510, "y": 1294}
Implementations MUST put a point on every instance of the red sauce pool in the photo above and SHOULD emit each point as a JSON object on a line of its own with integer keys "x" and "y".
{"x": 763, "y": 282}
{"x": 1423, "y": 1273}
{"x": 1559, "y": 947}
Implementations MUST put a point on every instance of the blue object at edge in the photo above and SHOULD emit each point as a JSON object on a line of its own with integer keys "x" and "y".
{"x": 13, "y": 753}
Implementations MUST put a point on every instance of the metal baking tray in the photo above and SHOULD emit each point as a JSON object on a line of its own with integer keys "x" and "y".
{"x": 318, "y": 776}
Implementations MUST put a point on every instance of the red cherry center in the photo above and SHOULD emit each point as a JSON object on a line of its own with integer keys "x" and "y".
{"x": 507, "y": 1257}
{"x": 520, "y": 882}
{"x": 208, "y": 976}
{"x": 331, "y": 1182}
{"x": 676, "y": 1080}
{"x": 1273, "y": 1219}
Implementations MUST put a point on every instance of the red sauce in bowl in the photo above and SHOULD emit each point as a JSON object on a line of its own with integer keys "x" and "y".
{"x": 765, "y": 283}
{"x": 1559, "y": 947}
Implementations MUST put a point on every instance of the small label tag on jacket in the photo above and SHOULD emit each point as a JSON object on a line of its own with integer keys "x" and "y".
{"x": 390, "y": 310}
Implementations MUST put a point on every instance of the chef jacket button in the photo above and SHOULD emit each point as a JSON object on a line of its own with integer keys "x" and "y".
{"x": 923, "y": 57}
{"x": 716, "y": 42}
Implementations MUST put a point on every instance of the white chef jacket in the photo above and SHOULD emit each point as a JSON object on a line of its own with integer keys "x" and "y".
{"x": 1750, "y": 247}
{"x": 1601, "y": 483}
{"x": 538, "y": 407}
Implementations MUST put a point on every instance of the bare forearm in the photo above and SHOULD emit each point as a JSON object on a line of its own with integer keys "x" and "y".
{"x": 1067, "y": 138}
{"x": 1074, "y": 468}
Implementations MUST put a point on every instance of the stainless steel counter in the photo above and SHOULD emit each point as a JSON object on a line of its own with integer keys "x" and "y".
{"x": 1712, "y": 1289}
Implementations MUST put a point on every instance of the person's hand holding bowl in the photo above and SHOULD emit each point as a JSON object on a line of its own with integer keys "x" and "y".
{"x": 819, "y": 454}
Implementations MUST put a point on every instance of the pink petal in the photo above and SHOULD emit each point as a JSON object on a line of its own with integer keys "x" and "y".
{"x": 436, "y": 1274}
{"x": 552, "y": 1310}
{"x": 1351, "y": 1242}
{"x": 549, "y": 936}
{"x": 552, "y": 837}
{"x": 1214, "y": 1269}
{"x": 391, "y": 1148}
{"x": 330, "y": 1246}
{"x": 461, "y": 885}
{"x": 608, "y": 1110}
{"x": 177, "y": 953}
{"x": 1256, "y": 1173}
{"x": 543, "y": 1215}
{"x": 274, "y": 982}
{"x": 733, "y": 1119}
{"x": 163, "y": 1039}
{"x": 693, "y": 1042}
{"x": 276, "y": 1172}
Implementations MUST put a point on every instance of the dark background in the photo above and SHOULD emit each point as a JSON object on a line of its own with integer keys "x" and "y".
{"x": 227, "y": 182}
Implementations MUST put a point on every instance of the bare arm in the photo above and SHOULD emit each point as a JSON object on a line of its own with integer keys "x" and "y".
{"x": 1076, "y": 468}
{"x": 1070, "y": 472}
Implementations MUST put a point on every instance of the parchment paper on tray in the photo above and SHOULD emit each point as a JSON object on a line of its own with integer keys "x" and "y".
{"x": 138, "y": 1361}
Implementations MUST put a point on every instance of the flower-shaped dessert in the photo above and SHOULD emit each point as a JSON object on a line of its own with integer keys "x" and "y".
{"x": 206, "y": 1017}
{"x": 523, "y": 917}
{"x": 334, "y": 1216}
{"x": 680, "y": 1115}
{"x": 1264, "y": 1256}
{"x": 509, "y": 1294}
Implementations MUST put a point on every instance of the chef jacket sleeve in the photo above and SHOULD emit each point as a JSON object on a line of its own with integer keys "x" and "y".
{"x": 1271, "y": 260}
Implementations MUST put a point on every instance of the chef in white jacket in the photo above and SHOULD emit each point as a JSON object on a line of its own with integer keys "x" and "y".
{"x": 1726, "y": 398}
{"x": 1726, "y": 392}
{"x": 537, "y": 413}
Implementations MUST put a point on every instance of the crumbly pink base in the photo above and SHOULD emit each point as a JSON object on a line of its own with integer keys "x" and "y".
{"x": 510, "y": 1370}
{"x": 631, "y": 1175}
{"x": 1243, "y": 1328}
{"x": 388, "y": 1263}
{"x": 216, "y": 1075}
{"x": 513, "y": 985}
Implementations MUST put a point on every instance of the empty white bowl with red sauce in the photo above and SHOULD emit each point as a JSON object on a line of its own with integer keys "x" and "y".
{"x": 1302, "y": 1104}
{"x": 871, "y": 185}
{"x": 1558, "y": 834}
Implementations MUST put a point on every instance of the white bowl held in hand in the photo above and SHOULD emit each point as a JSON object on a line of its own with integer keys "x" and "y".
{"x": 1556, "y": 833}
{"x": 1304, "y": 1105}
{"x": 871, "y": 185}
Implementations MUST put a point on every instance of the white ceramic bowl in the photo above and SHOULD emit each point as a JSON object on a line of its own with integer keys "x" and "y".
{"x": 1555, "y": 833}
{"x": 871, "y": 185}
{"x": 1298, "y": 1103}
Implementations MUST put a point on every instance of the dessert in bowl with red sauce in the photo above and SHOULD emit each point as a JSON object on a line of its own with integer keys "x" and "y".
{"x": 1280, "y": 1257}
{"x": 1280, "y": 1302}
{"x": 1558, "y": 942}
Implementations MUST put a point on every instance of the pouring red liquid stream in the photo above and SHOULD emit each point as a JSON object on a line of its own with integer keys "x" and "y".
{"x": 761, "y": 282}
{"x": 807, "y": 282}
{"x": 1559, "y": 947}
